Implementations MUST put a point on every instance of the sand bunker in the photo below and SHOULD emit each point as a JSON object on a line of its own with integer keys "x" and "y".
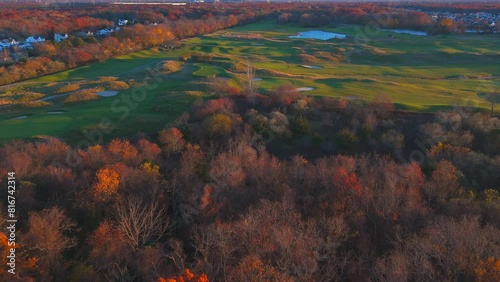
{"x": 311, "y": 67}
{"x": 301, "y": 89}
{"x": 107, "y": 93}
{"x": 20, "y": 117}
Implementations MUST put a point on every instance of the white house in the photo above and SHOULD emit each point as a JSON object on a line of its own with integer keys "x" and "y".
{"x": 25, "y": 46}
{"x": 105, "y": 31}
{"x": 122, "y": 22}
{"x": 33, "y": 39}
{"x": 6, "y": 43}
{"x": 60, "y": 37}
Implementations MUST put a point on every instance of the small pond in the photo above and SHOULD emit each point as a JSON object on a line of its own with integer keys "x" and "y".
{"x": 318, "y": 34}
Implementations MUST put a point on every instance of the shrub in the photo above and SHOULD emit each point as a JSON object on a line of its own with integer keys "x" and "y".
{"x": 84, "y": 95}
{"x": 116, "y": 85}
{"x": 346, "y": 139}
{"x": 301, "y": 125}
{"x": 67, "y": 88}
{"x": 171, "y": 66}
{"x": 279, "y": 123}
{"x": 284, "y": 95}
{"x": 215, "y": 106}
{"x": 36, "y": 104}
{"x": 185, "y": 57}
{"x": 393, "y": 139}
{"x": 258, "y": 122}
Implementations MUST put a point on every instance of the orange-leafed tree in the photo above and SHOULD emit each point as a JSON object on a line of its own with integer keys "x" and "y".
{"x": 23, "y": 265}
{"x": 148, "y": 150}
{"x": 106, "y": 184}
{"x": 444, "y": 183}
{"x": 122, "y": 150}
{"x": 171, "y": 140}
{"x": 488, "y": 270}
{"x": 252, "y": 268}
{"x": 109, "y": 251}
{"x": 186, "y": 276}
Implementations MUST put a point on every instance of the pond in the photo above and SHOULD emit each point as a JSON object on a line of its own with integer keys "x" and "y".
{"x": 406, "y": 31}
{"x": 318, "y": 34}
{"x": 56, "y": 112}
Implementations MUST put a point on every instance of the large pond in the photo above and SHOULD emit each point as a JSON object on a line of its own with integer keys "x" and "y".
{"x": 407, "y": 31}
{"x": 318, "y": 34}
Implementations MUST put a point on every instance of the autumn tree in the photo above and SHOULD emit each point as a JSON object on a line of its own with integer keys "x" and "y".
{"x": 142, "y": 222}
{"x": 122, "y": 150}
{"x": 148, "y": 150}
{"x": 171, "y": 140}
{"x": 451, "y": 248}
{"x": 48, "y": 237}
{"x": 186, "y": 276}
{"x": 488, "y": 270}
{"x": 444, "y": 183}
{"x": 284, "y": 95}
{"x": 443, "y": 26}
{"x": 219, "y": 125}
{"x": 227, "y": 171}
{"x": 382, "y": 105}
{"x": 219, "y": 86}
{"x": 110, "y": 253}
{"x": 252, "y": 268}
{"x": 106, "y": 184}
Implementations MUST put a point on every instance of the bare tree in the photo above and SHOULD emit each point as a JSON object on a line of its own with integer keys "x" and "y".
{"x": 142, "y": 222}
{"x": 251, "y": 84}
{"x": 493, "y": 98}
{"x": 46, "y": 238}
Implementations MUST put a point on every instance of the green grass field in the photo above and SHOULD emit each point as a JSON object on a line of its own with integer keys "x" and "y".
{"x": 420, "y": 73}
